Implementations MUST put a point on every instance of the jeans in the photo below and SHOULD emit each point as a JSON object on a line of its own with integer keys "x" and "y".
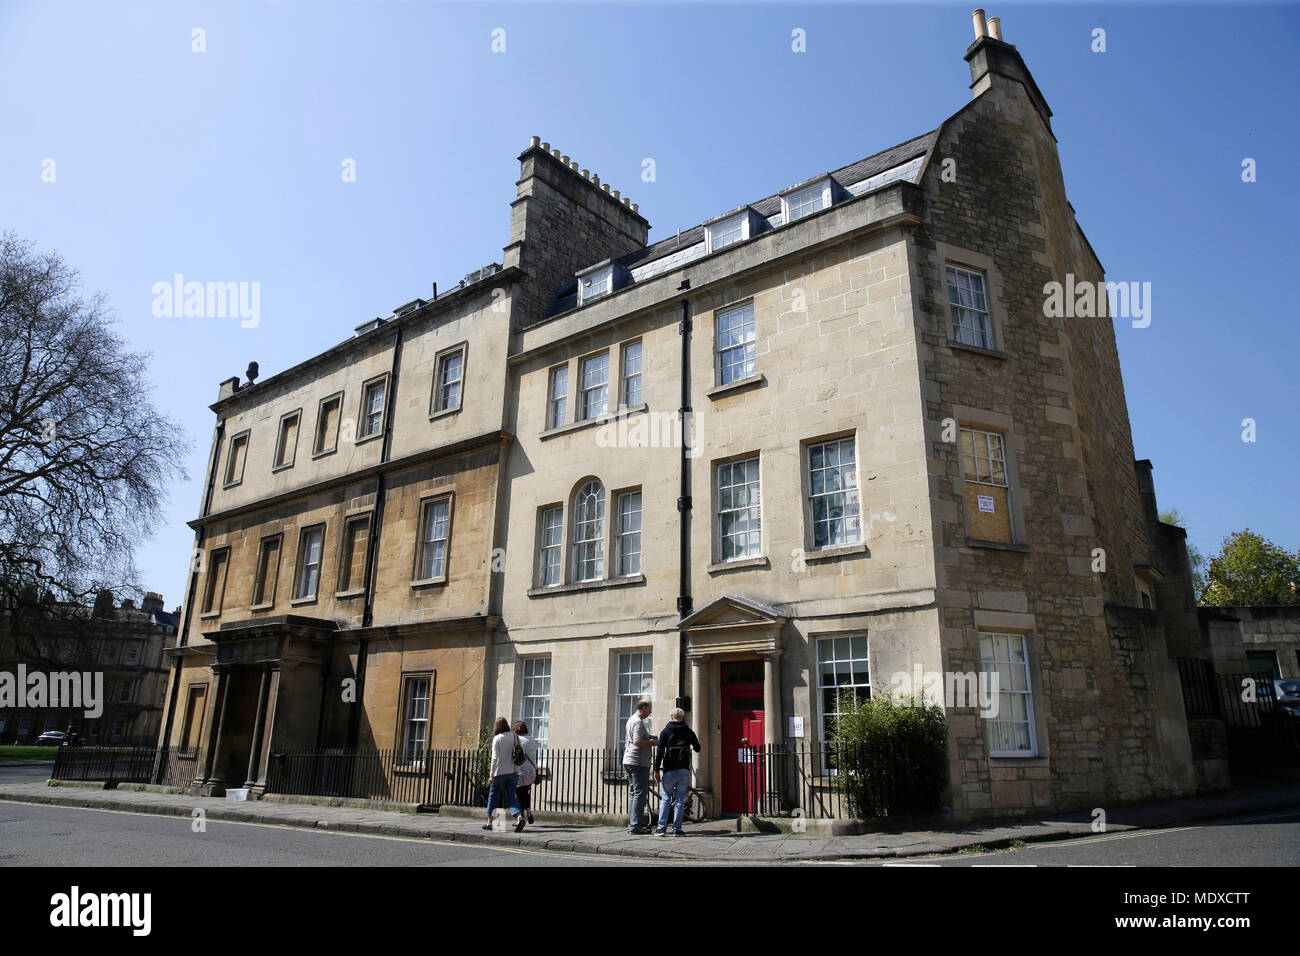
{"x": 672, "y": 790}
{"x": 638, "y": 781}
{"x": 503, "y": 785}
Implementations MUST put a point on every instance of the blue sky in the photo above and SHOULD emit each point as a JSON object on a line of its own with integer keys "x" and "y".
{"x": 226, "y": 165}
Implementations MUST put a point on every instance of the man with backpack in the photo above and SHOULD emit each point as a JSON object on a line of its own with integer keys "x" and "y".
{"x": 673, "y": 756}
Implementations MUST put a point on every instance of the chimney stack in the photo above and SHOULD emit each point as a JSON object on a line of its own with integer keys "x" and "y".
{"x": 993, "y": 61}
{"x": 564, "y": 219}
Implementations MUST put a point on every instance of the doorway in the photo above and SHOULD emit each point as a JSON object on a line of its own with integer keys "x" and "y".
{"x": 742, "y": 734}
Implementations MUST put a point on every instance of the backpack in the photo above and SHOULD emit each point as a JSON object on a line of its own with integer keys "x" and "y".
{"x": 677, "y": 755}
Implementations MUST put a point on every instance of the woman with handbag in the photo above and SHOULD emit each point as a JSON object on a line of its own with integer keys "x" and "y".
{"x": 505, "y": 775}
{"x": 527, "y": 770}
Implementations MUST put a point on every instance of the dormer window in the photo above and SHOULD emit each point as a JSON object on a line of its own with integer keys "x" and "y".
{"x": 728, "y": 231}
{"x": 595, "y": 283}
{"x": 806, "y": 200}
{"x": 731, "y": 228}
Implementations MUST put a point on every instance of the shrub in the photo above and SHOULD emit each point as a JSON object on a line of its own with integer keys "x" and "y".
{"x": 890, "y": 755}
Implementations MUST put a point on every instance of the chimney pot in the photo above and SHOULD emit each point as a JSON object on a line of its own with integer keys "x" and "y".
{"x": 614, "y": 194}
{"x": 595, "y": 180}
{"x": 586, "y": 174}
{"x": 565, "y": 160}
{"x": 555, "y": 153}
{"x": 546, "y": 146}
{"x": 536, "y": 140}
{"x": 574, "y": 166}
{"x": 605, "y": 187}
{"x": 636, "y": 207}
{"x": 977, "y": 20}
{"x": 995, "y": 27}
{"x": 627, "y": 202}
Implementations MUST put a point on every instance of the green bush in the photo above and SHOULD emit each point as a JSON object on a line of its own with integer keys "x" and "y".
{"x": 890, "y": 755}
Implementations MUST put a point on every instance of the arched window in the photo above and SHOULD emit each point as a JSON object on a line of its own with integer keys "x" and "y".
{"x": 589, "y": 531}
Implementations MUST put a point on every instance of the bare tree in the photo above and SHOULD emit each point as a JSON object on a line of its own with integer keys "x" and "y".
{"x": 85, "y": 456}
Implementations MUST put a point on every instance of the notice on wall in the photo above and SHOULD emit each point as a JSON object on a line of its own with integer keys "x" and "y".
{"x": 986, "y": 504}
{"x": 796, "y": 727}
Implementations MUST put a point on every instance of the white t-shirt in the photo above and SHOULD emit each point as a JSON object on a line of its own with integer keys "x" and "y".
{"x": 637, "y": 729}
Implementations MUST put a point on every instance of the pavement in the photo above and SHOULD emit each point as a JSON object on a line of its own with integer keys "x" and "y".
{"x": 713, "y": 840}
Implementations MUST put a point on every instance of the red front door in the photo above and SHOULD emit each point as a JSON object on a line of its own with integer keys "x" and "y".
{"x": 742, "y": 732}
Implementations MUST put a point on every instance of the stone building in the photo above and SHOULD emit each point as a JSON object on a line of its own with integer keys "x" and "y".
{"x": 821, "y": 442}
{"x": 126, "y": 644}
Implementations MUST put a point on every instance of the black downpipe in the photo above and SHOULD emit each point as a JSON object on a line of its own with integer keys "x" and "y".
{"x": 685, "y": 602}
{"x": 183, "y": 632}
{"x": 372, "y": 548}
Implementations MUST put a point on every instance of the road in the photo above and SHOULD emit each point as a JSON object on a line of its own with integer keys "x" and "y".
{"x": 38, "y": 835}
{"x": 1262, "y": 839}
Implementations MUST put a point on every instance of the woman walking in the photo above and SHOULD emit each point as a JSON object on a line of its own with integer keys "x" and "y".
{"x": 527, "y": 770}
{"x": 504, "y": 774}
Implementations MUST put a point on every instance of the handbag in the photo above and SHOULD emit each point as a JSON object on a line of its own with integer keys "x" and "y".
{"x": 520, "y": 756}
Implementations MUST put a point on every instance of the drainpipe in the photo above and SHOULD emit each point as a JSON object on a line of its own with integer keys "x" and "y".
{"x": 183, "y": 632}
{"x": 684, "y": 601}
{"x": 372, "y": 547}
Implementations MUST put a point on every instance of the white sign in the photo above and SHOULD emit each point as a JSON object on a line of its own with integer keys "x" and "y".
{"x": 985, "y": 503}
{"x": 796, "y": 727}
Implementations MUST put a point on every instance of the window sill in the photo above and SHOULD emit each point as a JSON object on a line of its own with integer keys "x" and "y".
{"x": 593, "y": 422}
{"x": 978, "y": 350}
{"x": 740, "y": 385}
{"x": 429, "y": 582}
{"x": 600, "y": 585}
{"x": 445, "y": 413}
{"x": 285, "y": 467}
{"x": 739, "y": 564}
{"x": 204, "y": 616}
{"x": 355, "y": 592}
{"x": 996, "y": 545}
{"x": 828, "y": 554}
{"x": 365, "y": 438}
{"x": 299, "y": 602}
{"x": 998, "y": 755}
{"x": 324, "y": 452}
{"x": 227, "y": 485}
{"x": 264, "y": 606}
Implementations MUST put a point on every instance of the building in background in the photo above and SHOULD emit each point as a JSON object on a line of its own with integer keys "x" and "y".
{"x": 124, "y": 643}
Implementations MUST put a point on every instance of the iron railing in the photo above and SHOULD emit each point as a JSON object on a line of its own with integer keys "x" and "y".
{"x": 1200, "y": 695}
{"x": 168, "y": 766}
{"x": 808, "y": 779}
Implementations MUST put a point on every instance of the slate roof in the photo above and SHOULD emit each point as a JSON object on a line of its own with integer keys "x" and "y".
{"x": 904, "y": 159}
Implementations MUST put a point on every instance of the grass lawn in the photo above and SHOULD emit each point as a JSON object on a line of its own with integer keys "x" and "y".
{"x": 27, "y": 753}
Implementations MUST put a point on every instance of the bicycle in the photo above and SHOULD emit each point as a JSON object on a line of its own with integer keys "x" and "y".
{"x": 697, "y": 803}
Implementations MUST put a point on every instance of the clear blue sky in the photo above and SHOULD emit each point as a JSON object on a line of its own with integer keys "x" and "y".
{"x": 225, "y": 166}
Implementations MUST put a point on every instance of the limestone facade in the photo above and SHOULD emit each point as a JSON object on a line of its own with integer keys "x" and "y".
{"x": 896, "y": 463}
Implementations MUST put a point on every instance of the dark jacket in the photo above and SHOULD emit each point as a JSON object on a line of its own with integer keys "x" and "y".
{"x": 676, "y": 741}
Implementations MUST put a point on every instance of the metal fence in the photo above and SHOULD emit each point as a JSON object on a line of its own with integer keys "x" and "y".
{"x": 1261, "y": 735}
{"x": 167, "y": 766}
{"x": 1200, "y": 695}
{"x": 811, "y": 780}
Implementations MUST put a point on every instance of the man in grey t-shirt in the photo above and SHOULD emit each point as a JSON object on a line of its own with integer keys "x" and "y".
{"x": 637, "y": 757}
